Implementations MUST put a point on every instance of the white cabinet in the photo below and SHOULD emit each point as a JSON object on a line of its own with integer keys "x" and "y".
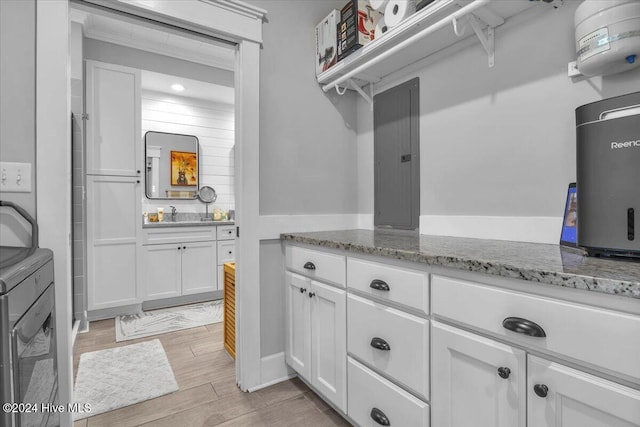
{"x": 198, "y": 270}
{"x": 226, "y": 253}
{"x": 476, "y": 382}
{"x": 316, "y": 339}
{"x": 113, "y": 233}
{"x": 114, "y": 120}
{"x": 173, "y": 267}
{"x": 113, "y": 185}
{"x": 559, "y": 396}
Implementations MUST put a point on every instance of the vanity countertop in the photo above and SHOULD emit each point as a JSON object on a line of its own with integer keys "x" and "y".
{"x": 188, "y": 223}
{"x": 542, "y": 263}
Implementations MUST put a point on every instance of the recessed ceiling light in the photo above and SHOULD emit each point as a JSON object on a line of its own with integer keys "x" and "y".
{"x": 177, "y": 87}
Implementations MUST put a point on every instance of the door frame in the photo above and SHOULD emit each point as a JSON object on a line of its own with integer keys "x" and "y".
{"x": 231, "y": 20}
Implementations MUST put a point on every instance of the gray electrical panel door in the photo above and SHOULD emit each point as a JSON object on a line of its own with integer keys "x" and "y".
{"x": 396, "y": 156}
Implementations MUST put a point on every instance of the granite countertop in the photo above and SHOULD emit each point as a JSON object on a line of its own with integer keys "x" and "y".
{"x": 166, "y": 224}
{"x": 186, "y": 219}
{"x": 543, "y": 263}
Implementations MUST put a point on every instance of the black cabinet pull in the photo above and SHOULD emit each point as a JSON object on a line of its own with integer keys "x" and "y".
{"x": 178, "y": 247}
{"x": 523, "y": 326}
{"x": 541, "y": 390}
{"x": 380, "y": 344}
{"x": 379, "y": 285}
{"x": 378, "y": 416}
{"x": 504, "y": 372}
{"x": 303, "y": 290}
{"x": 138, "y": 172}
{"x": 312, "y": 294}
{"x": 310, "y": 266}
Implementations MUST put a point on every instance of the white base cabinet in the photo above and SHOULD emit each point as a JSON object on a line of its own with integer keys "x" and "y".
{"x": 559, "y": 396}
{"x": 178, "y": 261}
{"x": 476, "y": 381}
{"x": 316, "y": 338}
{"x": 176, "y": 269}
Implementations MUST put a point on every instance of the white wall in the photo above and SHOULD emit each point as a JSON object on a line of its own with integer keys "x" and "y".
{"x": 307, "y": 137}
{"x": 213, "y": 125}
{"x": 17, "y": 108}
{"x": 499, "y": 141}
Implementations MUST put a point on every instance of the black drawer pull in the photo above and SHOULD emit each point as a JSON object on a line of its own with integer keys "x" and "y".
{"x": 312, "y": 294}
{"x": 310, "y": 266}
{"x": 541, "y": 390}
{"x": 504, "y": 372}
{"x": 379, "y": 285}
{"x": 303, "y": 290}
{"x": 378, "y": 416}
{"x": 523, "y": 326}
{"x": 380, "y": 344}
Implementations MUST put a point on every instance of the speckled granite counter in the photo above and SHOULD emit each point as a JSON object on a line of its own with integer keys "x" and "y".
{"x": 550, "y": 264}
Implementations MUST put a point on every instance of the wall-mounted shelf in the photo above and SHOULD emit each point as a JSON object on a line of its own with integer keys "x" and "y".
{"x": 439, "y": 25}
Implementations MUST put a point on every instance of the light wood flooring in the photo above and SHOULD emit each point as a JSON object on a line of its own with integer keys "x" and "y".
{"x": 207, "y": 395}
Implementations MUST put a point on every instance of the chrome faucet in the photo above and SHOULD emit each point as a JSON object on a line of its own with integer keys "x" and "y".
{"x": 173, "y": 213}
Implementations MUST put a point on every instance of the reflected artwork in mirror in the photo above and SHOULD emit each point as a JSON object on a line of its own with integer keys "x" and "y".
{"x": 172, "y": 165}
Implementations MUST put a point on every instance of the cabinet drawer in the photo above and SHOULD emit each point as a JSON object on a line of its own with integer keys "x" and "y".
{"x": 369, "y": 391}
{"x": 154, "y": 236}
{"x": 407, "y": 287}
{"x": 226, "y": 232}
{"x": 596, "y": 336}
{"x": 316, "y": 264}
{"x": 407, "y": 337}
{"x": 226, "y": 251}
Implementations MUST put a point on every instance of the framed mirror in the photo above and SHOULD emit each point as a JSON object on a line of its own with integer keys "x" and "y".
{"x": 172, "y": 165}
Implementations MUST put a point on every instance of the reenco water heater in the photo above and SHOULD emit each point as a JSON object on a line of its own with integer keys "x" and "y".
{"x": 608, "y": 176}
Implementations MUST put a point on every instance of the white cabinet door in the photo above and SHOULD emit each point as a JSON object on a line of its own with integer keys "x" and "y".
{"x": 467, "y": 388}
{"x": 162, "y": 271}
{"x": 298, "y": 326}
{"x": 113, "y": 233}
{"x": 114, "y": 140}
{"x": 199, "y": 272}
{"x": 559, "y": 396}
{"x": 329, "y": 342}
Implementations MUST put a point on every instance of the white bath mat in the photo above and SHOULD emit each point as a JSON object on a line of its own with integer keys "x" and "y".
{"x": 118, "y": 377}
{"x": 168, "y": 320}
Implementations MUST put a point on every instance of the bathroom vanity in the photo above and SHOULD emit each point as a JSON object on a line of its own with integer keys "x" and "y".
{"x": 396, "y": 328}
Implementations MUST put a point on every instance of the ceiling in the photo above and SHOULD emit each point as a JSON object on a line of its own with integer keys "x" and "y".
{"x": 192, "y": 88}
{"x": 133, "y": 33}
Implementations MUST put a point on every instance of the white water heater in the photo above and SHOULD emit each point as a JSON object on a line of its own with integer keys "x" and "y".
{"x": 607, "y": 36}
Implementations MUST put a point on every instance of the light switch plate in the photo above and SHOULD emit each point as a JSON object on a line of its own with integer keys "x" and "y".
{"x": 15, "y": 177}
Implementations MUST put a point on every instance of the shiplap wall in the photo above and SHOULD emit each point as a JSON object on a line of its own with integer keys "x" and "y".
{"x": 213, "y": 124}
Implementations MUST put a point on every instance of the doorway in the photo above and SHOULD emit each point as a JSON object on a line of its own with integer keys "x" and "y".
{"x": 203, "y": 106}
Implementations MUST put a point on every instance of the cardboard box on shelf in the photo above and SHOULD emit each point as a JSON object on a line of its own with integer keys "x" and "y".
{"x": 326, "y": 42}
{"x": 357, "y": 26}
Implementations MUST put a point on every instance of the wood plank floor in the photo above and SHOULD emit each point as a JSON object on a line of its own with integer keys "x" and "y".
{"x": 207, "y": 395}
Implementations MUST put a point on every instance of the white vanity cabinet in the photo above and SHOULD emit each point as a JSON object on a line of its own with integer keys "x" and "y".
{"x": 316, "y": 338}
{"x": 226, "y": 251}
{"x": 178, "y": 261}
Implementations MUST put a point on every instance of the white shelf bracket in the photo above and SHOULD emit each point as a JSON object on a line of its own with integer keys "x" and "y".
{"x": 487, "y": 41}
{"x": 367, "y": 96}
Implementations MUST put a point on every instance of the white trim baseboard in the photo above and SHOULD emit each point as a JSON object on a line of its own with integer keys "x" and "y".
{"x": 271, "y": 226}
{"x": 518, "y": 229}
{"x": 274, "y": 370}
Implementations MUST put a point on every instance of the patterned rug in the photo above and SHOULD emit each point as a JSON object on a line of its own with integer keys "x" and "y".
{"x": 166, "y": 320}
{"x": 121, "y": 376}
